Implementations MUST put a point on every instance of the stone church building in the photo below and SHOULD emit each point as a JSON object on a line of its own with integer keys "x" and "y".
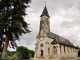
{"x": 50, "y": 44}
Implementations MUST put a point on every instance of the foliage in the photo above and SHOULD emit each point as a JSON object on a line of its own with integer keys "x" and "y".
{"x": 31, "y": 53}
{"x": 0, "y": 43}
{"x": 14, "y": 57}
{"x": 26, "y": 53}
{"x": 11, "y": 19}
{"x": 5, "y": 56}
{"x": 21, "y": 52}
{"x": 9, "y": 57}
{"x": 2, "y": 39}
{"x": 7, "y": 51}
{"x": 79, "y": 52}
{"x": 1, "y": 49}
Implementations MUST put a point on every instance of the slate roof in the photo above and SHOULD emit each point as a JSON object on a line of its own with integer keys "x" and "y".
{"x": 60, "y": 40}
{"x": 45, "y": 12}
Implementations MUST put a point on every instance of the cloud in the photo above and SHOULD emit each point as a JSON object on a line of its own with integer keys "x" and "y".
{"x": 64, "y": 20}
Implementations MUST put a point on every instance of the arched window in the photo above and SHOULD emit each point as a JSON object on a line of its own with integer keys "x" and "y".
{"x": 64, "y": 48}
{"x": 47, "y": 22}
{"x": 54, "y": 47}
{"x": 43, "y": 22}
{"x": 41, "y": 45}
{"x": 68, "y": 49}
{"x": 60, "y": 48}
{"x": 71, "y": 49}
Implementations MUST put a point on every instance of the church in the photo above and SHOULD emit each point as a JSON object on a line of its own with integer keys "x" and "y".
{"x": 50, "y": 44}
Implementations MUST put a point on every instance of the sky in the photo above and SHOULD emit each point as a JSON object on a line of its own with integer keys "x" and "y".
{"x": 64, "y": 21}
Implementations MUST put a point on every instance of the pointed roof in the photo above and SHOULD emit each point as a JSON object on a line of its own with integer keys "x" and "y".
{"x": 45, "y": 12}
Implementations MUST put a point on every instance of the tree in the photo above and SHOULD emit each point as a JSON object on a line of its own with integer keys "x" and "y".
{"x": 12, "y": 23}
{"x": 1, "y": 49}
{"x": 79, "y": 52}
{"x": 2, "y": 39}
{"x": 31, "y": 53}
{"x": 24, "y": 52}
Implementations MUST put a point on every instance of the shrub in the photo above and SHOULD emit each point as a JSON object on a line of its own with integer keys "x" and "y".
{"x": 9, "y": 57}
{"x": 5, "y": 56}
{"x": 15, "y": 56}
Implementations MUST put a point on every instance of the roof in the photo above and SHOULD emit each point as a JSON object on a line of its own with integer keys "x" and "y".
{"x": 45, "y": 12}
{"x": 60, "y": 40}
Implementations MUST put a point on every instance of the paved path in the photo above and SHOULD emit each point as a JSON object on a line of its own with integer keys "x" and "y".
{"x": 78, "y": 58}
{"x": 71, "y": 59}
{"x": 55, "y": 59}
{"x": 42, "y": 59}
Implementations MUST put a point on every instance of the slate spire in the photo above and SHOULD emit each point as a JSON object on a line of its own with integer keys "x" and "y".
{"x": 45, "y": 12}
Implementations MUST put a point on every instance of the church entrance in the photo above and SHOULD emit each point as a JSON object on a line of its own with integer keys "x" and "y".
{"x": 41, "y": 53}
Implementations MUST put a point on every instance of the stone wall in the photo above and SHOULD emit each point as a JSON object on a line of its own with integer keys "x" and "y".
{"x": 60, "y": 52}
{"x": 68, "y": 52}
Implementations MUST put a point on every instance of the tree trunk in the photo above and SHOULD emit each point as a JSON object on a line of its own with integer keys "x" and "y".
{"x": 5, "y": 45}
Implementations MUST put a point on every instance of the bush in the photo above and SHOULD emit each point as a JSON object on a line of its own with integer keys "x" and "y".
{"x": 5, "y": 56}
{"x": 24, "y": 51}
{"x": 15, "y": 56}
{"x": 9, "y": 57}
{"x": 79, "y": 52}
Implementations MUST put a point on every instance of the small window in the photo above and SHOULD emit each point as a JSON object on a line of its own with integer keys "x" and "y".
{"x": 41, "y": 45}
{"x": 54, "y": 47}
{"x": 42, "y": 18}
{"x": 60, "y": 48}
{"x": 46, "y": 28}
{"x": 47, "y": 22}
{"x": 71, "y": 49}
{"x": 42, "y": 22}
{"x": 64, "y": 48}
{"x": 68, "y": 49}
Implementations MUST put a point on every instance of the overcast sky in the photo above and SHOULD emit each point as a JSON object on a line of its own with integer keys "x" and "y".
{"x": 64, "y": 21}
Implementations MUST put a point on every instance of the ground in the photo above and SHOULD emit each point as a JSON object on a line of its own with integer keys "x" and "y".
{"x": 56, "y": 59}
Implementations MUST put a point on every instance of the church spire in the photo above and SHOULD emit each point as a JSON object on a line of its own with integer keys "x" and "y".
{"x": 45, "y": 12}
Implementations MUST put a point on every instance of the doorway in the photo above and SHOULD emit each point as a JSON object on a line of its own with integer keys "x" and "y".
{"x": 48, "y": 51}
{"x": 41, "y": 53}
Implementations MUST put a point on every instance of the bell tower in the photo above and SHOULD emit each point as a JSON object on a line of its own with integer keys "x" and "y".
{"x": 44, "y": 23}
{"x": 41, "y": 49}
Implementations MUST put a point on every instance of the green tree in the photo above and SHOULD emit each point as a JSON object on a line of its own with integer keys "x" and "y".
{"x": 1, "y": 41}
{"x": 24, "y": 52}
{"x": 1, "y": 49}
{"x": 12, "y": 23}
{"x": 31, "y": 53}
{"x": 79, "y": 52}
